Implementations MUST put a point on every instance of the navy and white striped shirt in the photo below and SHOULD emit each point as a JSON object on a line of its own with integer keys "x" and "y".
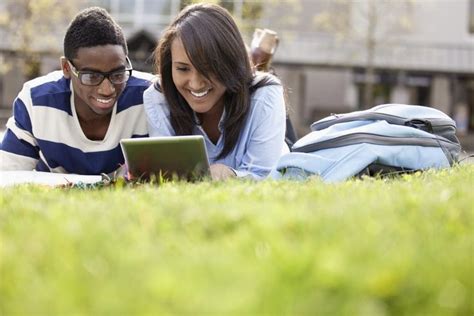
{"x": 44, "y": 133}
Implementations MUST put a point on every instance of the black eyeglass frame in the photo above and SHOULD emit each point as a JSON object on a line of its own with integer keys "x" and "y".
{"x": 80, "y": 73}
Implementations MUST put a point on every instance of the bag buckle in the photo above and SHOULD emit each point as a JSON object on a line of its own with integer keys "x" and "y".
{"x": 423, "y": 125}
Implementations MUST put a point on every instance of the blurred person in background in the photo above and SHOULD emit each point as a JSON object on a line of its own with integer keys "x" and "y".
{"x": 261, "y": 51}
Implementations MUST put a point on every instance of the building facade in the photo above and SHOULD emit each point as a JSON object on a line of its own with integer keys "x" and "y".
{"x": 429, "y": 62}
{"x": 410, "y": 51}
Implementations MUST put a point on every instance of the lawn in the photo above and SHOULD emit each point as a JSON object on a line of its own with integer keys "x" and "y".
{"x": 401, "y": 246}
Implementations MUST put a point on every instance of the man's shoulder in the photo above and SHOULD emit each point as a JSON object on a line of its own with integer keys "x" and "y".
{"x": 140, "y": 78}
{"x": 52, "y": 78}
{"x": 132, "y": 95}
{"x": 50, "y": 90}
{"x": 50, "y": 84}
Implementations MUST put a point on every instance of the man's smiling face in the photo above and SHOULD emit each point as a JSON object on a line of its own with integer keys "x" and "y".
{"x": 99, "y": 100}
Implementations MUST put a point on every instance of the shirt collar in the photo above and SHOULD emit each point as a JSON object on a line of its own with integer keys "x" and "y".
{"x": 220, "y": 126}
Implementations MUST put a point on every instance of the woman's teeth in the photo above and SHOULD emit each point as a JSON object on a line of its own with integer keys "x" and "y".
{"x": 200, "y": 94}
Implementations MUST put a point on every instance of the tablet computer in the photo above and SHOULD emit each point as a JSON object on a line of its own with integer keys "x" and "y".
{"x": 168, "y": 157}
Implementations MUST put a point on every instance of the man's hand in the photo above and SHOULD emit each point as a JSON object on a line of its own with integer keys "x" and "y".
{"x": 221, "y": 172}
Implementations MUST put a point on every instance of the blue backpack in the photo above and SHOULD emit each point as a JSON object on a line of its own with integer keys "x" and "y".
{"x": 385, "y": 139}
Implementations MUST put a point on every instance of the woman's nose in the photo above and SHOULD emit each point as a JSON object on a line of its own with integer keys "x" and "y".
{"x": 197, "y": 81}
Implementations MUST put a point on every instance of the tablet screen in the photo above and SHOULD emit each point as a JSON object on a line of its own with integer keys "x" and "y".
{"x": 169, "y": 157}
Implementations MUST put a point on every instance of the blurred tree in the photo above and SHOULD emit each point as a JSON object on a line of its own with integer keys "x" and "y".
{"x": 372, "y": 22}
{"x": 33, "y": 27}
{"x": 246, "y": 13}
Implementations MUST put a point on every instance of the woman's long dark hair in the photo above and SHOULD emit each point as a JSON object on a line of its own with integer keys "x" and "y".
{"x": 216, "y": 49}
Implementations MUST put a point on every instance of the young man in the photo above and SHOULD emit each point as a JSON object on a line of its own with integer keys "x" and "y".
{"x": 71, "y": 121}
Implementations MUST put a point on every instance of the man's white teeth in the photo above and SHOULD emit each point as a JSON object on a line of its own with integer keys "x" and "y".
{"x": 104, "y": 100}
{"x": 201, "y": 94}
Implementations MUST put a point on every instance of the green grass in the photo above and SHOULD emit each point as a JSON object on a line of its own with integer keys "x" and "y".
{"x": 374, "y": 247}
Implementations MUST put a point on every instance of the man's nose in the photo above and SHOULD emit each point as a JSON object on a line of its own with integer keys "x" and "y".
{"x": 106, "y": 87}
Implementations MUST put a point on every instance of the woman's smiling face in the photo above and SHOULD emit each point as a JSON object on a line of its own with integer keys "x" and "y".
{"x": 203, "y": 95}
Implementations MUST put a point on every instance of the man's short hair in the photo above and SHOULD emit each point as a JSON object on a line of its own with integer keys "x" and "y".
{"x": 92, "y": 27}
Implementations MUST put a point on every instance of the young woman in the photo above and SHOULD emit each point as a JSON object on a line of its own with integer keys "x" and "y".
{"x": 206, "y": 86}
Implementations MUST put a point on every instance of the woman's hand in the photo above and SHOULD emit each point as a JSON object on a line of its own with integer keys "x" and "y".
{"x": 221, "y": 172}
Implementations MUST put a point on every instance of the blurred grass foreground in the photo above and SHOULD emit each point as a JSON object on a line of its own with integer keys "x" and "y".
{"x": 401, "y": 246}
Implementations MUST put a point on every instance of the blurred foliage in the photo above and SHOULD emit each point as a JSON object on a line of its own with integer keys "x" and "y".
{"x": 398, "y": 246}
{"x": 251, "y": 14}
{"x": 34, "y": 26}
{"x": 246, "y": 17}
{"x": 4, "y": 66}
{"x": 372, "y": 22}
{"x": 352, "y": 19}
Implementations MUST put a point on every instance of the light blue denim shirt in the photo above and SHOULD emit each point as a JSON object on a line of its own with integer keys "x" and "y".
{"x": 261, "y": 141}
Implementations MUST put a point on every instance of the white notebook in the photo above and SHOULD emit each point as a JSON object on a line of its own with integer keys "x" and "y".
{"x": 10, "y": 178}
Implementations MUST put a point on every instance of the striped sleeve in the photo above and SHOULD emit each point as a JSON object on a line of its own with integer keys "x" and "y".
{"x": 19, "y": 149}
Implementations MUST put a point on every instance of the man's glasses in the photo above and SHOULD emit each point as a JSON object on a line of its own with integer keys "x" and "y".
{"x": 95, "y": 78}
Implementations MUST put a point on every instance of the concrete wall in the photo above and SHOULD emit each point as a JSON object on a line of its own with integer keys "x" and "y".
{"x": 337, "y": 81}
{"x": 294, "y": 81}
{"x": 13, "y": 81}
{"x": 314, "y": 93}
{"x": 444, "y": 21}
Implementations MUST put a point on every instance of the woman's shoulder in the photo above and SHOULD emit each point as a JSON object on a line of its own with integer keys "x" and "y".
{"x": 267, "y": 87}
{"x": 154, "y": 100}
{"x": 154, "y": 88}
{"x": 265, "y": 78}
{"x": 153, "y": 93}
{"x": 268, "y": 99}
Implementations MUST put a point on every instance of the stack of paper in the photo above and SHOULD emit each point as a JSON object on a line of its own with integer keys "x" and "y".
{"x": 9, "y": 178}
